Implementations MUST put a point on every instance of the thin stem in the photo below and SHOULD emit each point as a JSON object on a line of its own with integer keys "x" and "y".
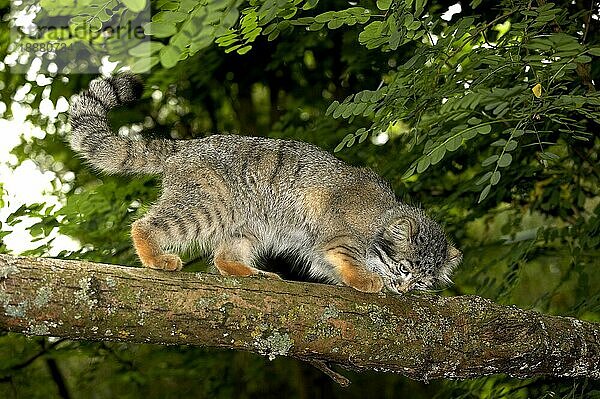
{"x": 58, "y": 378}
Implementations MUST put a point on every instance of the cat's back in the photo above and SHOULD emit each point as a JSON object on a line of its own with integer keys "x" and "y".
{"x": 278, "y": 180}
{"x": 261, "y": 163}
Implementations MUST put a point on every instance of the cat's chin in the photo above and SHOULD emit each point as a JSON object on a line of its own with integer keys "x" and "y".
{"x": 390, "y": 287}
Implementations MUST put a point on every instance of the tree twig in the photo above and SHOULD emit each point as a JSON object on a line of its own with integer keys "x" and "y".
{"x": 335, "y": 376}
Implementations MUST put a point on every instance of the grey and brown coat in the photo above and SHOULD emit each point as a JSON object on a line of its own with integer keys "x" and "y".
{"x": 241, "y": 197}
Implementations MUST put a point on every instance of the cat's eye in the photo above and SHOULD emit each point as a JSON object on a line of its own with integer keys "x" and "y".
{"x": 404, "y": 267}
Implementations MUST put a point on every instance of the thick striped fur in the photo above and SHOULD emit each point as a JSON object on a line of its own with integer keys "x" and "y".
{"x": 242, "y": 197}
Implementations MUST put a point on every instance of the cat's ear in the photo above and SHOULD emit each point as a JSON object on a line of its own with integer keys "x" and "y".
{"x": 402, "y": 230}
{"x": 453, "y": 259}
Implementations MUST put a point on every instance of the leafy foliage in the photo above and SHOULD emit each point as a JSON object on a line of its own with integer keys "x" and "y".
{"x": 488, "y": 118}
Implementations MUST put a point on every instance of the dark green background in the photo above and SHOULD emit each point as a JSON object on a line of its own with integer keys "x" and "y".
{"x": 532, "y": 241}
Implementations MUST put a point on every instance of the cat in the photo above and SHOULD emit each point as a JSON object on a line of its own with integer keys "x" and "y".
{"x": 240, "y": 197}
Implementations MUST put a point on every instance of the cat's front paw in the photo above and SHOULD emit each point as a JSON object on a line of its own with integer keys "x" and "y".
{"x": 364, "y": 281}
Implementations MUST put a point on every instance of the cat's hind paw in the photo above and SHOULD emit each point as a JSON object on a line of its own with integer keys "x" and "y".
{"x": 166, "y": 262}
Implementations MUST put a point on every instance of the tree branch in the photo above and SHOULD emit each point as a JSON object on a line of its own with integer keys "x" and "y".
{"x": 420, "y": 336}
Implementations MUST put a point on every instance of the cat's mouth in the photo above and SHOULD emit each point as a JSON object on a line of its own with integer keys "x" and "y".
{"x": 400, "y": 286}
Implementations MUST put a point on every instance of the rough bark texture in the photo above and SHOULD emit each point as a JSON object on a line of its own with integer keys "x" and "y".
{"x": 420, "y": 336}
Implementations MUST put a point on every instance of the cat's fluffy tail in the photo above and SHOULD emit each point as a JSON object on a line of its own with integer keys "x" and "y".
{"x": 92, "y": 137}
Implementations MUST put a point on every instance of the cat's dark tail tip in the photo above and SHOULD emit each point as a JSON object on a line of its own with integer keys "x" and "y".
{"x": 128, "y": 86}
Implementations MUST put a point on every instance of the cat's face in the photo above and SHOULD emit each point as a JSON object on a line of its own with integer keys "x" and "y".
{"x": 413, "y": 254}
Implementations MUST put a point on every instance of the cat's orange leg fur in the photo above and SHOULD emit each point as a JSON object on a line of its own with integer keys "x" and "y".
{"x": 234, "y": 268}
{"x": 149, "y": 251}
{"x": 352, "y": 274}
{"x": 231, "y": 259}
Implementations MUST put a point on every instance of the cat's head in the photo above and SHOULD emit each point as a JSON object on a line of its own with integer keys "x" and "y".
{"x": 411, "y": 251}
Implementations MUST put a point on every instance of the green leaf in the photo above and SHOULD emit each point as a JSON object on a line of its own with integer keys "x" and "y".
{"x": 338, "y": 111}
{"x": 468, "y": 134}
{"x": 409, "y": 172}
{"x": 545, "y": 17}
{"x": 594, "y": 51}
{"x": 395, "y": 39}
{"x": 348, "y": 140}
{"x": 172, "y": 5}
{"x": 269, "y": 29}
{"x": 350, "y": 20}
{"x": 362, "y": 134}
{"x": 227, "y": 40}
{"x": 332, "y": 107}
{"x": 384, "y": 5}
{"x": 170, "y": 16}
{"x": 370, "y": 109}
{"x": 160, "y": 29}
{"x": 357, "y": 11}
{"x": 495, "y": 178}
{"x": 371, "y": 31}
{"x": 250, "y": 36}
{"x": 484, "y": 129}
{"x": 416, "y": 61}
{"x": 423, "y": 164}
{"x": 144, "y": 64}
{"x": 545, "y": 7}
{"x": 348, "y": 110}
{"x": 504, "y": 160}
{"x": 499, "y": 109}
{"x": 145, "y": 49}
{"x": 233, "y": 48}
{"x": 363, "y": 18}
{"x": 583, "y": 59}
{"x": 244, "y": 50}
{"x": 135, "y": 5}
{"x": 490, "y": 160}
{"x": 419, "y": 7}
{"x": 325, "y": 17}
{"x": 335, "y": 23}
{"x": 169, "y": 56}
{"x": 453, "y": 143}
{"x": 437, "y": 155}
{"x": 511, "y": 145}
{"x": 310, "y": 4}
{"x": 550, "y": 156}
{"x": 364, "y": 96}
{"x": 104, "y": 16}
{"x": 414, "y": 25}
{"x": 484, "y": 178}
{"x": 359, "y": 108}
{"x": 315, "y": 27}
{"x": 231, "y": 17}
{"x": 485, "y": 192}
